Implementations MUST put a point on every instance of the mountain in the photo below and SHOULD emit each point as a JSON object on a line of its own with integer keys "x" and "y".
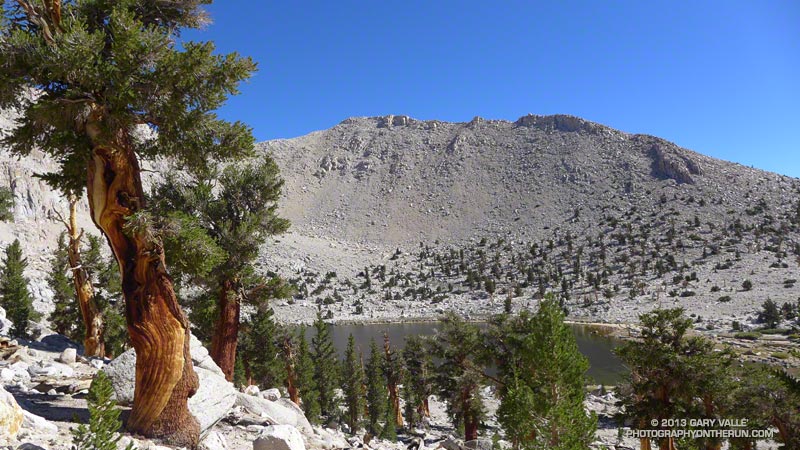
{"x": 533, "y": 195}
{"x": 393, "y": 180}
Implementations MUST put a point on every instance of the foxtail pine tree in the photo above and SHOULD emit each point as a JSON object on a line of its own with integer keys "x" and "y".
{"x": 100, "y": 86}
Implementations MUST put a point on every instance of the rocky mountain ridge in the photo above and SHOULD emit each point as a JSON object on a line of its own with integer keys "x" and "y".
{"x": 368, "y": 187}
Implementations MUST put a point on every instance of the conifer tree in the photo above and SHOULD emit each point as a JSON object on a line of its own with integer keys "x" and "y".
{"x": 215, "y": 224}
{"x": 326, "y": 373}
{"x": 288, "y": 350}
{"x": 91, "y": 317}
{"x": 663, "y": 366}
{"x": 16, "y": 298}
{"x": 260, "y": 354}
{"x": 103, "y": 271}
{"x": 419, "y": 377}
{"x": 353, "y": 387}
{"x": 309, "y": 393}
{"x": 66, "y": 317}
{"x": 544, "y": 375}
{"x": 770, "y": 314}
{"x": 393, "y": 371}
{"x": 6, "y": 205}
{"x": 101, "y": 433}
{"x": 389, "y": 431}
{"x": 103, "y": 71}
{"x": 459, "y": 375}
{"x": 376, "y": 389}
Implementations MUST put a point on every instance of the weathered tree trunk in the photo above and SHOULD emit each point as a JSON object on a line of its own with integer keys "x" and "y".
{"x": 158, "y": 328}
{"x": 226, "y": 332}
{"x": 92, "y": 318}
{"x": 470, "y": 421}
{"x": 644, "y": 443}
{"x": 708, "y": 405}
{"x": 394, "y": 394}
{"x": 424, "y": 409}
{"x": 291, "y": 373}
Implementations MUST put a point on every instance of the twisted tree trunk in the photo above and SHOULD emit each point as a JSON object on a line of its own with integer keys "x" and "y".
{"x": 157, "y": 326}
{"x": 226, "y": 332}
{"x": 92, "y": 318}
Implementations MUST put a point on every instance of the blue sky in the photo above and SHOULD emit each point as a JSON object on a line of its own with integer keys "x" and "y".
{"x": 721, "y": 78}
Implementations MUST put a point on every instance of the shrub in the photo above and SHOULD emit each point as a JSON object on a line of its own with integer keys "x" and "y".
{"x": 749, "y": 335}
{"x": 747, "y": 285}
{"x": 724, "y": 299}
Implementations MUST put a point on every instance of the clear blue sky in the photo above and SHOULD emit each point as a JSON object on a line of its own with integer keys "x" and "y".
{"x": 718, "y": 77}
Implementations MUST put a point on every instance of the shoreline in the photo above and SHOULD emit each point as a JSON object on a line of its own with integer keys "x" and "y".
{"x": 761, "y": 351}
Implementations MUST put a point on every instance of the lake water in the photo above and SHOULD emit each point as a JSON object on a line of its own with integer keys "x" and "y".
{"x": 604, "y": 366}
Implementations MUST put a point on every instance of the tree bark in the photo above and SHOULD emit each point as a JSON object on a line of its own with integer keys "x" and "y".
{"x": 291, "y": 373}
{"x": 470, "y": 421}
{"x": 158, "y": 328}
{"x": 226, "y": 332}
{"x": 394, "y": 394}
{"x": 644, "y": 443}
{"x": 708, "y": 405}
{"x": 92, "y": 318}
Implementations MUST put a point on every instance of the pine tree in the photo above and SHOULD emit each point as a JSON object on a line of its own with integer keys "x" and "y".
{"x": 376, "y": 389}
{"x": 103, "y": 271}
{"x": 215, "y": 225}
{"x": 389, "y": 431}
{"x": 419, "y": 377}
{"x": 260, "y": 354}
{"x": 326, "y": 375}
{"x": 16, "y": 299}
{"x": 353, "y": 387}
{"x": 103, "y": 70}
{"x": 459, "y": 375}
{"x": 6, "y": 205}
{"x": 393, "y": 371}
{"x": 104, "y": 423}
{"x": 770, "y": 315}
{"x": 544, "y": 375}
{"x": 660, "y": 366}
{"x": 66, "y": 317}
{"x": 309, "y": 393}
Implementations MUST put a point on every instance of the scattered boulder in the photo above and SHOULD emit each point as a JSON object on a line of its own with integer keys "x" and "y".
{"x": 479, "y": 444}
{"x": 50, "y": 369}
{"x": 271, "y": 394}
{"x": 11, "y": 416}
{"x": 251, "y": 390}
{"x": 68, "y": 356}
{"x": 450, "y": 444}
{"x": 282, "y": 412}
{"x": 215, "y": 397}
{"x": 279, "y": 437}
{"x": 6, "y": 375}
{"x": 37, "y": 424}
{"x": 214, "y": 441}
{"x": 29, "y": 446}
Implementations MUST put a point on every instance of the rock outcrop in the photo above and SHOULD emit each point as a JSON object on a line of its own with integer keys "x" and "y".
{"x": 11, "y": 416}
{"x": 670, "y": 165}
{"x": 279, "y": 437}
{"x": 280, "y": 412}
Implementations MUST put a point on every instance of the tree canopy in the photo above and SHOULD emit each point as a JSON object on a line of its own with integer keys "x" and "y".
{"x": 120, "y": 63}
